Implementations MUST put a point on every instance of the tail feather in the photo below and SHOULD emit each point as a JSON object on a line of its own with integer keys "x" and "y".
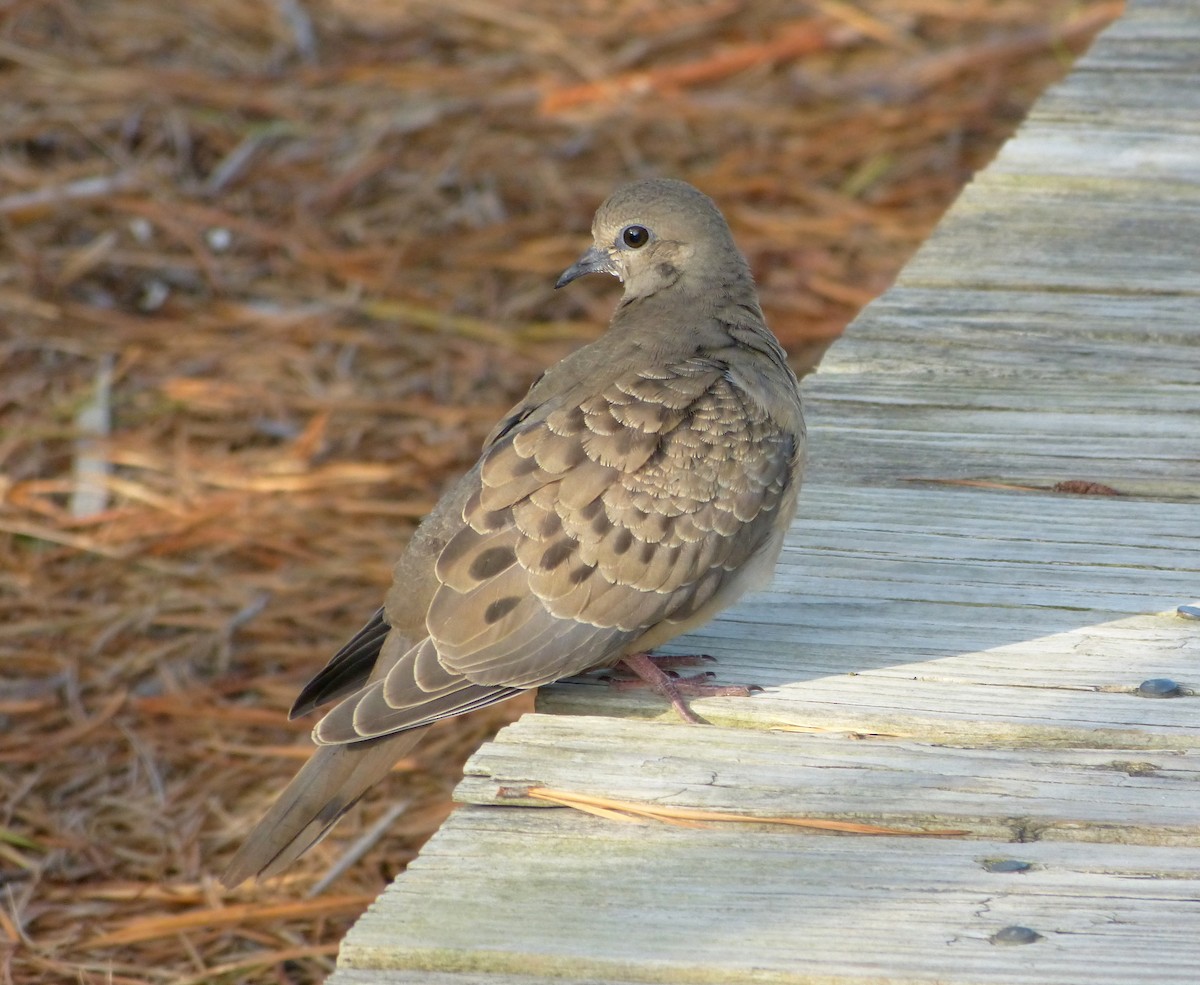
{"x": 327, "y": 786}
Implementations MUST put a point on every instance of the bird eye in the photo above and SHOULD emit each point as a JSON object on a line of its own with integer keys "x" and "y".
{"x": 635, "y": 237}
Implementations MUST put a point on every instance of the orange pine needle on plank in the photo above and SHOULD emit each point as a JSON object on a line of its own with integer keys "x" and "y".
{"x": 692, "y": 817}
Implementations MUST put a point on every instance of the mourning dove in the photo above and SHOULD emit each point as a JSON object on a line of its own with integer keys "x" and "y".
{"x": 644, "y": 483}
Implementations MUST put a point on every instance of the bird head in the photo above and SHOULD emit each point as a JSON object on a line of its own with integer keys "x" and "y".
{"x": 653, "y": 234}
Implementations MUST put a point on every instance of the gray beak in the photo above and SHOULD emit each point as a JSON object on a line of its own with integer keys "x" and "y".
{"x": 594, "y": 261}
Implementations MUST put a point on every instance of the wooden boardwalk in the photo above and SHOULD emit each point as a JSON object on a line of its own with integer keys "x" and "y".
{"x": 936, "y": 654}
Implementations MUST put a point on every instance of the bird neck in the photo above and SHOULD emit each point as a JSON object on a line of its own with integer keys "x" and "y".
{"x": 721, "y": 292}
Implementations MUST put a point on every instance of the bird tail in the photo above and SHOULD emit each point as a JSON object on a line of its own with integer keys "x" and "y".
{"x": 326, "y": 787}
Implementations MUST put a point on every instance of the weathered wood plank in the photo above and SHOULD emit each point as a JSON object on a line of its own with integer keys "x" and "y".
{"x": 1074, "y": 149}
{"x": 402, "y": 976}
{"x": 999, "y": 339}
{"x": 1107, "y": 795}
{"x": 1015, "y": 386}
{"x": 1126, "y": 89}
{"x": 1080, "y": 234}
{"x": 728, "y": 907}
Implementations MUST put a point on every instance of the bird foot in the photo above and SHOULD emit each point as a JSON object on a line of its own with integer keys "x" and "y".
{"x": 650, "y": 673}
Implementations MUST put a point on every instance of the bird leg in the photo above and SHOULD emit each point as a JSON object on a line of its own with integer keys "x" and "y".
{"x": 673, "y": 687}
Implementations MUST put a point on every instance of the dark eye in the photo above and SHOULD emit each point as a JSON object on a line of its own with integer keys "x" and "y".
{"x": 635, "y": 237}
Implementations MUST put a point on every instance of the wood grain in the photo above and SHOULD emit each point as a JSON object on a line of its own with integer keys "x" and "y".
{"x": 753, "y": 906}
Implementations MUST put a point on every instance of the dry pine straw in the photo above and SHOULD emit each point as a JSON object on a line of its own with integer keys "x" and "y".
{"x": 305, "y": 250}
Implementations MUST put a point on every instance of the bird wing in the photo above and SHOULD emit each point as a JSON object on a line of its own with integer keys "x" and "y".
{"x": 587, "y": 523}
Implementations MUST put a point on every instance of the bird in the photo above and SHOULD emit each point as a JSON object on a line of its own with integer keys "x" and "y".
{"x": 644, "y": 483}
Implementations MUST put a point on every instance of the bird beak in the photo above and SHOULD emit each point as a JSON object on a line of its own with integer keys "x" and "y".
{"x": 594, "y": 261}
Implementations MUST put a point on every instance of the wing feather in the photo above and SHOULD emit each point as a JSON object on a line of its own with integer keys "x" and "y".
{"x": 591, "y": 524}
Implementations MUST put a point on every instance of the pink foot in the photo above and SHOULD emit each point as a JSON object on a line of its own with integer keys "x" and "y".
{"x": 673, "y": 687}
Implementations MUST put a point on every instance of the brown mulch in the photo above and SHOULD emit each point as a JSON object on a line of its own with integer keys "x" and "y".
{"x": 268, "y": 274}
